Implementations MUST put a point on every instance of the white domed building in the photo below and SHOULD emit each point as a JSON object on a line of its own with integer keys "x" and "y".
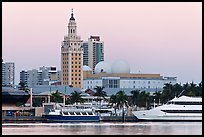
{"x": 118, "y": 76}
{"x": 120, "y": 66}
{"x": 102, "y": 67}
{"x": 86, "y": 68}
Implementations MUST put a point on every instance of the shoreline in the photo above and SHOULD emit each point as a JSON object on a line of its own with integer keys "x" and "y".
{"x": 10, "y": 119}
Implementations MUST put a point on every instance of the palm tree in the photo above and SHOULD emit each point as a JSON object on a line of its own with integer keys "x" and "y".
{"x": 134, "y": 97}
{"x": 76, "y": 97}
{"x": 177, "y": 88}
{"x": 199, "y": 89}
{"x": 167, "y": 93}
{"x": 113, "y": 101}
{"x": 157, "y": 96}
{"x": 22, "y": 86}
{"x": 121, "y": 99}
{"x": 100, "y": 93}
{"x": 56, "y": 97}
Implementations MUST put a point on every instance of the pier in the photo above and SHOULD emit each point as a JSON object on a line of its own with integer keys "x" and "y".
{"x": 22, "y": 119}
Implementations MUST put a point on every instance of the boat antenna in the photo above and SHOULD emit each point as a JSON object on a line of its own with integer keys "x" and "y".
{"x": 181, "y": 93}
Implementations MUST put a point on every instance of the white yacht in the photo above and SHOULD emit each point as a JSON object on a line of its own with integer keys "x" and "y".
{"x": 182, "y": 108}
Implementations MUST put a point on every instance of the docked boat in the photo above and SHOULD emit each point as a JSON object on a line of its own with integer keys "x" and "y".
{"x": 72, "y": 113}
{"x": 182, "y": 108}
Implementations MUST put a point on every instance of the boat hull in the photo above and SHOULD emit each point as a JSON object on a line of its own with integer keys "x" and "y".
{"x": 60, "y": 118}
{"x": 148, "y": 116}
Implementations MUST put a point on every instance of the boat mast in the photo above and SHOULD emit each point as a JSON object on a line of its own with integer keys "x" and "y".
{"x": 181, "y": 93}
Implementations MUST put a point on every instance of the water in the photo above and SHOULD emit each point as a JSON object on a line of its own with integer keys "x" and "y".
{"x": 104, "y": 128}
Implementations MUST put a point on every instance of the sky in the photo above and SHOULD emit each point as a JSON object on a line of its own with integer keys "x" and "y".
{"x": 153, "y": 37}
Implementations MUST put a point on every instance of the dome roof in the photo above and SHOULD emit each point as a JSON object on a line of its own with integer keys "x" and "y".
{"x": 86, "y": 68}
{"x": 120, "y": 66}
{"x": 102, "y": 67}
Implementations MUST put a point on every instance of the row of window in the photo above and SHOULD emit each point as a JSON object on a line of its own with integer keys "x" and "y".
{"x": 66, "y": 78}
{"x": 185, "y": 103}
{"x": 72, "y": 58}
{"x": 134, "y": 82}
{"x": 73, "y": 62}
{"x": 72, "y": 74}
{"x": 76, "y": 66}
{"x": 66, "y": 83}
{"x": 73, "y": 54}
{"x": 182, "y": 111}
{"x": 117, "y": 86}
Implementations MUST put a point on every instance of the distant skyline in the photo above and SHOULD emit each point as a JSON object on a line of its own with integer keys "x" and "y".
{"x": 153, "y": 37}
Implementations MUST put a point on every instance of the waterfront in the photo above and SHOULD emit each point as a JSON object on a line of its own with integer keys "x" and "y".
{"x": 104, "y": 128}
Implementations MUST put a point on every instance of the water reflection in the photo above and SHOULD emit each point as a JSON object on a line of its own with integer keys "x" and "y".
{"x": 137, "y": 128}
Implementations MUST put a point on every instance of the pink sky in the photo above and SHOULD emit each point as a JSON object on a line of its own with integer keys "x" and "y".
{"x": 158, "y": 37}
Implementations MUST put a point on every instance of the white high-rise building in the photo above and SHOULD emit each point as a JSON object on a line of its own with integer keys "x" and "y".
{"x": 93, "y": 51}
{"x": 43, "y": 76}
{"x": 72, "y": 56}
{"x": 8, "y": 73}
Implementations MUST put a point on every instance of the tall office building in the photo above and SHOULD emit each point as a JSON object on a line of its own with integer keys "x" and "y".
{"x": 8, "y": 73}
{"x": 93, "y": 51}
{"x": 72, "y": 56}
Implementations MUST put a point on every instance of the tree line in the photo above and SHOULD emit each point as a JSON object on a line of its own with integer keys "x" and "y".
{"x": 143, "y": 98}
{"x": 137, "y": 98}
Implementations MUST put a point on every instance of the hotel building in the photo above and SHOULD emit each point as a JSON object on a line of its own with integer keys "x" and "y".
{"x": 93, "y": 51}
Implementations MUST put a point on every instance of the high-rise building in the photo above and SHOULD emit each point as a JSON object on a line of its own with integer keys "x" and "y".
{"x": 8, "y": 73}
{"x": 72, "y": 56}
{"x": 93, "y": 51}
{"x": 43, "y": 76}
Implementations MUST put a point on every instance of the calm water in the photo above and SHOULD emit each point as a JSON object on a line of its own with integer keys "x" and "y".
{"x": 104, "y": 128}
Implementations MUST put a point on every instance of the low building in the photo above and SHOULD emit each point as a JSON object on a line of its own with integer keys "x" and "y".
{"x": 118, "y": 76}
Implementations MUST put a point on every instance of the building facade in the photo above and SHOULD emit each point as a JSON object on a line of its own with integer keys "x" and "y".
{"x": 72, "y": 56}
{"x": 8, "y": 73}
{"x": 43, "y": 76}
{"x": 118, "y": 76}
{"x": 143, "y": 82}
{"x": 93, "y": 51}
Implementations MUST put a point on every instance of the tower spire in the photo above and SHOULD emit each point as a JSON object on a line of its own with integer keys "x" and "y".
{"x": 72, "y": 15}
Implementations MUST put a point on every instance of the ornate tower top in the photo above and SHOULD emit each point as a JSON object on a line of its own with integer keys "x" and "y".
{"x": 72, "y": 16}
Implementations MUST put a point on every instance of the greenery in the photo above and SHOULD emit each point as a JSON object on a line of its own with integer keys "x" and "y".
{"x": 22, "y": 86}
{"x": 37, "y": 102}
{"x": 137, "y": 98}
{"x": 18, "y": 104}
{"x": 75, "y": 97}
{"x": 145, "y": 99}
{"x": 100, "y": 92}
{"x": 56, "y": 97}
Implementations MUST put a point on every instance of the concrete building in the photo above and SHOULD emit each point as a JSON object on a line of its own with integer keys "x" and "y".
{"x": 8, "y": 73}
{"x": 43, "y": 76}
{"x": 72, "y": 56}
{"x": 118, "y": 76}
{"x": 93, "y": 51}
